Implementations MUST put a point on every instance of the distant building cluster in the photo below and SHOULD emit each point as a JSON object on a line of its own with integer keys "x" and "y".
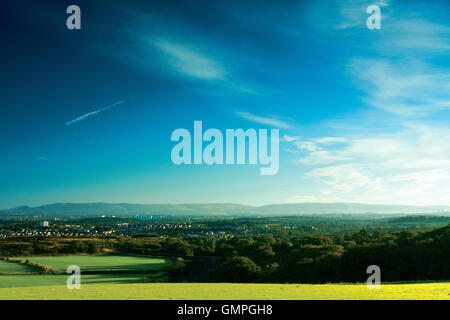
{"x": 148, "y": 218}
{"x": 44, "y": 224}
{"x": 119, "y": 229}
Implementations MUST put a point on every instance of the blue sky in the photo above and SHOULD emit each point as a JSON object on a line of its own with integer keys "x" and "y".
{"x": 363, "y": 114}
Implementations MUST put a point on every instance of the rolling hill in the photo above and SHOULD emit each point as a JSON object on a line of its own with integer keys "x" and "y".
{"x": 217, "y": 209}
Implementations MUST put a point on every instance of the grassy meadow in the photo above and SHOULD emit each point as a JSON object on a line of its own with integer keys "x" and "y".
{"x": 129, "y": 277}
{"x": 23, "y": 272}
{"x": 10, "y": 267}
{"x": 100, "y": 262}
{"x": 37, "y": 280}
{"x": 221, "y": 291}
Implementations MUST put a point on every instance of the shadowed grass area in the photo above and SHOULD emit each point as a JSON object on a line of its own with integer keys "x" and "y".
{"x": 13, "y": 281}
{"x": 95, "y": 269}
{"x": 101, "y": 262}
{"x": 12, "y": 267}
{"x": 219, "y": 291}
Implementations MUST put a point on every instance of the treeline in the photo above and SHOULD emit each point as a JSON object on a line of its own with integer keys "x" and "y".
{"x": 402, "y": 256}
{"x": 29, "y": 247}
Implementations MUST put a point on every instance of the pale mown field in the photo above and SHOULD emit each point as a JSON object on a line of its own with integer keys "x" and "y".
{"x": 209, "y": 291}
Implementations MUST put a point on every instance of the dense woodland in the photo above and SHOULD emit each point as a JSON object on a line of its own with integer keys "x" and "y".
{"x": 343, "y": 257}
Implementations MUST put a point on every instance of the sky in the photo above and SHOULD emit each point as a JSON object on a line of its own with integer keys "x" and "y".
{"x": 87, "y": 115}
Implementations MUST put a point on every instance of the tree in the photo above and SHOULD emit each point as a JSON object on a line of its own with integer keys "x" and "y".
{"x": 237, "y": 269}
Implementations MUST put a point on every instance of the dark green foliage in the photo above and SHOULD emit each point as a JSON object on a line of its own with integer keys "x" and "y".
{"x": 236, "y": 269}
{"x": 342, "y": 257}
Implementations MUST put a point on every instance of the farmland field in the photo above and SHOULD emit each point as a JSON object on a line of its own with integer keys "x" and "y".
{"x": 100, "y": 262}
{"x": 206, "y": 291}
{"x": 9, "y": 267}
{"x": 14, "y": 281}
{"x": 127, "y": 277}
{"x": 98, "y": 270}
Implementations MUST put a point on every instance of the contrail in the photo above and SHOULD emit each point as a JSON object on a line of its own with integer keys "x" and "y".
{"x": 87, "y": 115}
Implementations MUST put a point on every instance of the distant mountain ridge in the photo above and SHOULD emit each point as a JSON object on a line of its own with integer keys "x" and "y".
{"x": 217, "y": 209}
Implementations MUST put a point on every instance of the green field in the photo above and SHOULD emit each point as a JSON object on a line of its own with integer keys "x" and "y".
{"x": 208, "y": 291}
{"x": 100, "y": 262}
{"x": 98, "y": 270}
{"x": 16, "y": 281}
{"x": 127, "y": 277}
{"x": 10, "y": 267}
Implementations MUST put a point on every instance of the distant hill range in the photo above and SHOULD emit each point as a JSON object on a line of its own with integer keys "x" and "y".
{"x": 217, "y": 209}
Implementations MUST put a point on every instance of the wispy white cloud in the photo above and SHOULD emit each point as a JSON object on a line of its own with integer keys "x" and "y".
{"x": 171, "y": 56}
{"x": 270, "y": 121}
{"x": 408, "y": 28}
{"x": 414, "y": 33}
{"x": 90, "y": 114}
{"x": 317, "y": 155}
{"x": 409, "y": 89}
{"x": 187, "y": 61}
{"x": 288, "y": 138}
{"x": 344, "y": 178}
{"x": 330, "y": 140}
{"x": 307, "y": 145}
{"x": 342, "y": 16}
{"x": 410, "y": 166}
{"x": 321, "y": 157}
{"x": 352, "y": 13}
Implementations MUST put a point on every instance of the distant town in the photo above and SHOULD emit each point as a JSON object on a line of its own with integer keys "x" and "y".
{"x": 120, "y": 229}
{"x": 186, "y": 227}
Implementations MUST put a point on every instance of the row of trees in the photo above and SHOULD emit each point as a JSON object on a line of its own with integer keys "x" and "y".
{"x": 402, "y": 256}
{"x": 46, "y": 247}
